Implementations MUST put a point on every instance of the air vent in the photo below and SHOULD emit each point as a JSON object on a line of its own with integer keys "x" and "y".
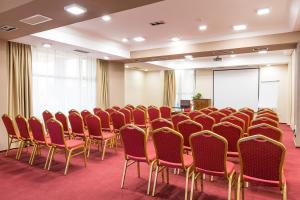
{"x": 157, "y": 23}
{"x": 81, "y": 51}
{"x": 7, "y": 28}
{"x": 217, "y": 59}
{"x": 35, "y": 20}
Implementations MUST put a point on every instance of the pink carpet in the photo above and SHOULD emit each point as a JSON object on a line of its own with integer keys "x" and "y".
{"x": 101, "y": 179}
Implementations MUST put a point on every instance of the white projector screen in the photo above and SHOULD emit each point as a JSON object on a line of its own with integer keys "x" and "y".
{"x": 236, "y": 88}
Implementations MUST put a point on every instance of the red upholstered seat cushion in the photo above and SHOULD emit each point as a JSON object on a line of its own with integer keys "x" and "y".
{"x": 106, "y": 135}
{"x": 187, "y": 161}
{"x": 74, "y": 143}
{"x": 229, "y": 165}
{"x": 264, "y": 182}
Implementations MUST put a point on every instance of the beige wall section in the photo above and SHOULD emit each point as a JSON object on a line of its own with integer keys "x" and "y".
{"x": 154, "y": 88}
{"x": 3, "y": 92}
{"x": 116, "y": 83}
{"x": 204, "y": 83}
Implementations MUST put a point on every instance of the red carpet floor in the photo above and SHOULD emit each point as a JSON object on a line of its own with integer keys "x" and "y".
{"x": 101, "y": 179}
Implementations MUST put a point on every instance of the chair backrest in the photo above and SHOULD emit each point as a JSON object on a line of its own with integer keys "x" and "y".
{"x": 168, "y": 145}
{"x": 95, "y": 110}
{"x": 56, "y": 132}
{"x": 152, "y": 106}
{"x": 266, "y": 130}
{"x": 178, "y": 118}
{"x": 94, "y": 125}
{"x": 134, "y": 141}
{"x": 37, "y": 129}
{"x": 248, "y": 112}
{"x": 231, "y": 109}
{"x": 165, "y": 112}
{"x": 127, "y": 115}
{"x": 212, "y": 108}
{"x": 194, "y": 114}
{"x": 142, "y": 107}
{"x": 244, "y": 117}
{"x": 129, "y": 106}
{"x": 248, "y": 109}
{"x": 118, "y": 120}
{"x": 261, "y": 158}
{"x": 235, "y": 120}
{"x": 116, "y": 107}
{"x": 206, "y": 121}
{"x": 74, "y": 111}
{"x": 225, "y": 111}
{"x": 264, "y": 120}
{"x": 23, "y": 127}
{"x": 46, "y": 116}
{"x": 187, "y": 128}
{"x": 267, "y": 115}
{"x": 206, "y": 111}
{"x": 9, "y": 125}
{"x": 209, "y": 152}
{"x": 84, "y": 115}
{"x": 265, "y": 109}
{"x": 160, "y": 123}
{"x": 153, "y": 113}
{"x": 76, "y": 122}
{"x": 231, "y": 132}
{"x": 105, "y": 120}
{"x": 139, "y": 117}
{"x": 61, "y": 117}
{"x": 218, "y": 116}
{"x": 110, "y": 110}
{"x": 267, "y": 112}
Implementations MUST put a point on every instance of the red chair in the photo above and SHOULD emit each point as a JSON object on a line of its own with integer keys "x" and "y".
{"x": 266, "y": 130}
{"x": 116, "y": 107}
{"x": 267, "y": 115}
{"x": 235, "y": 120}
{"x": 267, "y": 112}
{"x": 244, "y": 117}
{"x": 127, "y": 115}
{"x": 212, "y": 109}
{"x": 218, "y": 116}
{"x": 13, "y": 135}
{"x": 232, "y": 133}
{"x": 169, "y": 153}
{"x": 206, "y": 111}
{"x": 95, "y": 110}
{"x": 265, "y": 109}
{"x": 247, "y": 112}
{"x": 39, "y": 139}
{"x": 248, "y": 109}
{"x": 110, "y": 110}
{"x": 71, "y": 147}
{"x": 129, "y": 106}
{"x": 206, "y": 121}
{"x": 46, "y": 116}
{"x": 25, "y": 134}
{"x": 187, "y": 128}
{"x": 225, "y": 111}
{"x": 261, "y": 160}
{"x": 160, "y": 123}
{"x": 59, "y": 116}
{"x": 105, "y": 120}
{"x": 96, "y": 136}
{"x": 136, "y": 150}
{"x": 118, "y": 121}
{"x": 73, "y": 111}
{"x": 210, "y": 157}
{"x": 139, "y": 118}
{"x": 77, "y": 126}
{"x": 178, "y": 118}
{"x": 264, "y": 120}
{"x": 194, "y": 114}
{"x": 231, "y": 109}
{"x": 165, "y": 112}
{"x": 141, "y": 107}
{"x": 131, "y": 110}
{"x": 153, "y": 113}
{"x": 84, "y": 115}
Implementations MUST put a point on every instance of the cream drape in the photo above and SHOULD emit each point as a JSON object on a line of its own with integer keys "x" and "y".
{"x": 102, "y": 84}
{"x": 169, "y": 88}
{"x": 20, "y": 66}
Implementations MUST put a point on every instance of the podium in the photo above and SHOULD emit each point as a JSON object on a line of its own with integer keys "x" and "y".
{"x": 201, "y": 103}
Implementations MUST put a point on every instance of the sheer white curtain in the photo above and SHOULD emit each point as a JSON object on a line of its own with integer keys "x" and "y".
{"x": 62, "y": 81}
{"x": 185, "y": 85}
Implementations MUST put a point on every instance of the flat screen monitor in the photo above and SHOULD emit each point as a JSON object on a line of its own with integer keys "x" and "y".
{"x": 185, "y": 104}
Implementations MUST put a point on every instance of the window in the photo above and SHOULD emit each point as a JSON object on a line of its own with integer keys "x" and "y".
{"x": 185, "y": 85}
{"x": 62, "y": 81}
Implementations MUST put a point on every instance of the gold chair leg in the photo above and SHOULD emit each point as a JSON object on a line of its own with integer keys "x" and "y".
{"x": 230, "y": 185}
{"x": 84, "y": 156}
{"x": 33, "y": 153}
{"x": 103, "y": 149}
{"x": 89, "y": 147}
{"x": 155, "y": 180}
{"x": 284, "y": 192}
{"x": 150, "y": 177}
{"x": 51, "y": 158}
{"x": 48, "y": 156}
{"x": 9, "y": 141}
{"x": 201, "y": 182}
{"x": 187, "y": 174}
{"x": 192, "y": 186}
{"x": 167, "y": 174}
{"x": 68, "y": 162}
{"x": 124, "y": 174}
{"x": 238, "y": 188}
{"x": 20, "y": 150}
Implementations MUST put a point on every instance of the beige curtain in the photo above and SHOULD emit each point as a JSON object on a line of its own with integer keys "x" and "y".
{"x": 20, "y": 64}
{"x": 102, "y": 84}
{"x": 169, "y": 88}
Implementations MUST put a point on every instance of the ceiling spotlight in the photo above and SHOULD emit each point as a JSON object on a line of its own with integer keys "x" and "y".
{"x": 189, "y": 57}
{"x": 139, "y": 39}
{"x": 75, "y": 9}
{"x": 175, "y": 39}
{"x": 124, "y": 40}
{"x": 233, "y": 55}
{"x": 106, "y": 57}
{"x": 202, "y": 27}
{"x": 239, "y": 27}
{"x": 145, "y": 70}
{"x": 263, "y": 51}
{"x": 46, "y": 45}
{"x": 263, "y": 11}
{"x": 126, "y": 66}
{"x": 106, "y": 18}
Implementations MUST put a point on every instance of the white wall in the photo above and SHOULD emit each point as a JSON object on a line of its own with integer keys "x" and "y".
{"x": 154, "y": 88}
{"x": 204, "y": 83}
{"x": 116, "y": 83}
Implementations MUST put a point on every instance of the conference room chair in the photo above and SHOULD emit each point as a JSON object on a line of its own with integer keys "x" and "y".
{"x": 74, "y": 111}
{"x": 187, "y": 128}
{"x": 209, "y": 152}
{"x": 265, "y": 120}
{"x": 130, "y": 106}
{"x": 77, "y": 126}
{"x": 116, "y": 107}
{"x": 13, "y": 135}
{"x": 151, "y": 106}
{"x": 25, "y": 134}
{"x": 127, "y": 115}
{"x": 71, "y": 147}
{"x": 235, "y": 120}
{"x": 97, "y": 136}
{"x": 142, "y": 107}
{"x": 168, "y": 145}
{"x": 84, "y": 115}
{"x": 266, "y": 130}
{"x": 153, "y": 113}
{"x": 206, "y": 121}
{"x": 165, "y": 112}
{"x": 248, "y": 112}
{"x": 137, "y": 151}
{"x": 105, "y": 120}
{"x": 140, "y": 118}
{"x": 231, "y": 109}
{"x": 261, "y": 163}
{"x": 206, "y": 111}
{"x": 118, "y": 121}
{"x": 265, "y": 109}
{"x": 194, "y": 114}
{"x": 267, "y": 115}
{"x": 232, "y": 133}
{"x": 267, "y": 112}
{"x": 46, "y": 116}
{"x": 61, "y": 117}
{"x": 95, "y": 110}
{"x": 244, "y": 117}
{"x": 110, "y": 110}
{"x": 212, "y": 108}
{"x": 39, "y": 139}
{"x": 247, "y": 108}
{"x": 218, "y": 116}
{"x": 178, "y": 118}
{"x": 225, "y": 111}
{"x": 160, "y": 123}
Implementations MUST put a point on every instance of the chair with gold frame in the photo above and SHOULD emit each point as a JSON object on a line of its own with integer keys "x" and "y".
{"x": 110, "y": 110}
{"x": 77, "y": 126}
{"x": 248, "y": 112}
{"x": 118, "y": 121}
{"x": 194, "y": 114}
{"x": 140, "y": 118}
{"x": 96, "y": 109}
{"x": 116, "y": 107}
{"x": 160, "y": 123}
{"x": 225, "y": 111}
{"x": 268, "y": 115}
{"x": 62, "y": 118}
{"x": 206, "y": 121}
{"x": 12, "y": 133}
{"x": 187, "y": 128}
{"x": 153, "y": 113}
{"x": 46, "y": 116}
{"x": 244, "y": 117}
{"x": 73, "y": 111}
{"x": 206, "y": 111}
{"x": 235, "y": 120}
{"x": 231, "y": 109}
{"x": 165, "y": 112}
{"x": 129, "y": 106}
{"x": 266, "y": 130}
{"x": 127, "y": 115}
{"x": 84, "y": 114}
{"x": 105, "y": 120}
{"x": 178, "y": 118}
{"x": 218, "y": 116}
{"x": 71, "y": 147}
{"x": 261, "y": 161}
{"x": 213, "y": 109}
{"x": 265, "y": 120}
{"x": 142, "y": 107}
{"x": 210, "y": 157}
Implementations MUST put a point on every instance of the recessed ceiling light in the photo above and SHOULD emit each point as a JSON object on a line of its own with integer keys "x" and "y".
{"x": 126, "y": 66}
{"x": 145, "y": 70}
{"x": 139, "y": 39}
{"x": 263, "y": 11}
{"x": 263, "y": 51}
{"x": 46, "y": 45}
{"x": 240, "y": 27}
{"x": 106, "y": 57}
{"x": 190, "y": 57}
{"x": 75, "y": 9}
{"x": 233, "y": 55}
{"x": 124, "y": 40}
{"x": 202, "y": 27}
{"x": 106, "y": 18}
{"x": 268, "y": 65}
{"x": 175, "y": 39}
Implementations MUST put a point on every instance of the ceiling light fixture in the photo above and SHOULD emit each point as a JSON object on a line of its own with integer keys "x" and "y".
{"x": 124, "y": 40}
{"x": 233, "y": 55}
{"x": 202, "y": 27}
{"x": 139, "y": 39}
{"x": 263, "y": 51}
{"x": 106, "y": 57}
{"x": 75, "y": 9}
{"x": 189, "y": 57}
{"x": 145, "y": 70}
{"x": 175, "y": 39}
{"x": 106, "y": 18}
{"x": 46, "y": 45}
{"x": 263, "y": 11}
{"x": 239, "y": 27}
{"x": 126, "y": 66}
